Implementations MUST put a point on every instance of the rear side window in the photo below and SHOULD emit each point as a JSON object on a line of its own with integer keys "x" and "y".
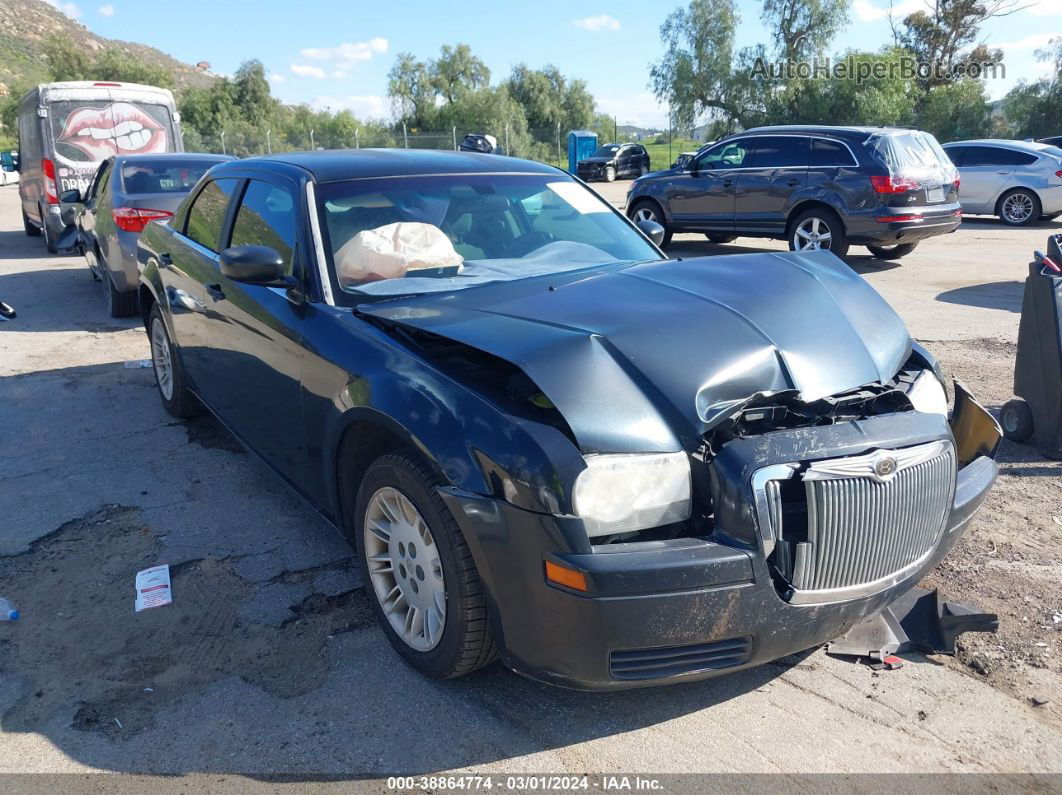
{"x": 995, "y": 156}
{"x": 830, "y": 153}
{"x": 171, "y": 176}
{"x": 956, "y": 154}
{"x": 779, "y": 151}
{"x": 728, "y": 155}
{"x": 206, "y": 216}
{"x": 266, "y": 218}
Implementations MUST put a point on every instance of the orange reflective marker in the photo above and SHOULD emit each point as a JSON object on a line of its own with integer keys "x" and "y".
{"x": 565, "y": 576}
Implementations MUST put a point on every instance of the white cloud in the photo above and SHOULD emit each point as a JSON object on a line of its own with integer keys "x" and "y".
{"x": 1036, "y": 41}
{"x": 70, "y": 9}
{"x": 346, "y": 54}
{"x": 600, "y": 22}
{"x": 364, "y": 107}
{"x": 870, "y": 11}
{"x": 340, "y": 74}
{"x": 304, "y": 70}
{"x": 106, "y": 10}
{"x": 1045, "y": 8}
{"x": 276, "y": 77}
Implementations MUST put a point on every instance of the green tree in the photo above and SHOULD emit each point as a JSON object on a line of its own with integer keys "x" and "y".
{"x": 956, "y": 111}
{"x": 457, "y": 72}
{"x": 410, "y": 86}
{"x": 1035, "y": 109}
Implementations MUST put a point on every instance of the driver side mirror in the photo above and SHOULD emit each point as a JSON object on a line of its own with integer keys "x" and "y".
{"x": 652, "y": 230}
{"x": 70, "y": 206}
{"x": 252, "y": 264}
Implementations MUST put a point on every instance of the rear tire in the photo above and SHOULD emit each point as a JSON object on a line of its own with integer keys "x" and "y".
{"x": 118, "y": 304}
{"x": 892, "y": 252}
{"x": 176, "y": 397}
{"x": 818, "y": 229}
{"x": 649, "y": 211}
{"x": 1019, "y": 207}
{"x": 31, "y": 229}
{"x": 1016, "y": 419}
{"x": 424, "y": 523}
{"x": 720, "y": 238}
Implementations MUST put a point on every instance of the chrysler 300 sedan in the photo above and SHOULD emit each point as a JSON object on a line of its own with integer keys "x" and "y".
{"x": 548, "y": 443}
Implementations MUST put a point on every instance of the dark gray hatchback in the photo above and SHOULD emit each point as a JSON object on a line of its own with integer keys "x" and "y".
{"x": 817, "y": 187}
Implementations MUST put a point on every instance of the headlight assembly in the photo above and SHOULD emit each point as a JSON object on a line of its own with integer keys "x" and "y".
{"x": 927, "y": 394}
{"x": 624, "y": 493}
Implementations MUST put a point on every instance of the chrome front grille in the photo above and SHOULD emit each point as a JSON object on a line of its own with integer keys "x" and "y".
{"x": 861, "y": 523}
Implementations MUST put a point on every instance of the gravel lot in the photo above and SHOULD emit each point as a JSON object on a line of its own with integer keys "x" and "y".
{"x": 269, "y": 663}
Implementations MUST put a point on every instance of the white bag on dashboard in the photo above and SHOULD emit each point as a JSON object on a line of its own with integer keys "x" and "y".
{"x": 393, "y": 251}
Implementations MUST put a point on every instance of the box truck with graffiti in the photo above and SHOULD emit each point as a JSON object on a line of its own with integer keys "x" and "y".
{"x": 65, "y": 130}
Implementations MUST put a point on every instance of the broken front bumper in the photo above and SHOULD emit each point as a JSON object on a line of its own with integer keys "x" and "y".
{"x": 689, "y": 608}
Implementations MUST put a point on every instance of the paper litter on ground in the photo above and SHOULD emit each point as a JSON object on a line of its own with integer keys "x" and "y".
{"x": 153, "y": 587}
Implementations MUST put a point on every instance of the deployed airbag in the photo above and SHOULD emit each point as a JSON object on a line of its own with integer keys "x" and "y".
{"x": 393, "y": 250}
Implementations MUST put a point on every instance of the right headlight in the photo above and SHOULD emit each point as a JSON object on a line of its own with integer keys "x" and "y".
{"x": 624, "y": 493}
{"x": 927, "y": 394}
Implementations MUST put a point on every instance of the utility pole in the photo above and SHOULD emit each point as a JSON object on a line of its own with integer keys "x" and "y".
{"x": 223, "y": 143}
{"x": 357, "y": 143}
{"x": 405, "y": 135}
{"x": 269, "y": 146}
{"x": 507, "y": 152}
{"x": 455, "y": 137}
{"x": 311, "y": 140}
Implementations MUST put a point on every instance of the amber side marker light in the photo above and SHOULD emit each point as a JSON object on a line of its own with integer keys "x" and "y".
{"x": 569, "y": 578}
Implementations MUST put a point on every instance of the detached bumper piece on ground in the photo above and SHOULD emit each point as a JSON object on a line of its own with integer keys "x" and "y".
{"x": 919, "y": 620}
{"x": 1037, "y": 412}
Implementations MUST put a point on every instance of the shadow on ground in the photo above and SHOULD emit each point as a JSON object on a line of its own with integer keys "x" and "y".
{"x": 1005, "y": 296}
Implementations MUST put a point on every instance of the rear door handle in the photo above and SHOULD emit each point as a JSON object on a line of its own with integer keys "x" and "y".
{"x": 1003, "y": 172}
{"x": 728, "y": 183}
{"x": 215, "y": 292}
{"x": 793, "y": 183}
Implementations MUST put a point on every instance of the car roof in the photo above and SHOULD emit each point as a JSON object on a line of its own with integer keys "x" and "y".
{"x": 342, "y": 164}
{"x": 1003, "y": 143}
{"x": 186, "y": 156}
{"x": 826, "y": 129}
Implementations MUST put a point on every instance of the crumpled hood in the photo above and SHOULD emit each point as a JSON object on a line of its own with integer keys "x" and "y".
{"x": 644, "y": 357}
{"x": 597, "y": 161}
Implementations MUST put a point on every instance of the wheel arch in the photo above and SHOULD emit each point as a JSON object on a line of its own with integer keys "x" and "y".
{"x": 997, "y": 207}
{"x": 808, "y": 204}
{"x": 648, "y": 200}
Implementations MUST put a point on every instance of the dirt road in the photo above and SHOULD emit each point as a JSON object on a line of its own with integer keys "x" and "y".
{"x": 269, "y": 662}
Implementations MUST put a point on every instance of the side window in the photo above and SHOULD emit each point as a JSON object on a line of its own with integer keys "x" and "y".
{"x": 778, "y": 151}
{"x": 986, "y": 156}
{"x": 99, "y": 182}
{"x": 1024, "y": 158}
{"x": 830, "y": 153}
{"x": 266, "y": 218}
{"x": 956, "y": 155}
{"x": 206, "y": 216}
{"x": 728, "y": 155}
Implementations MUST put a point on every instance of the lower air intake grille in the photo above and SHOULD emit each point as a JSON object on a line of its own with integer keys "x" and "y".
{"x": 674, "y": 660}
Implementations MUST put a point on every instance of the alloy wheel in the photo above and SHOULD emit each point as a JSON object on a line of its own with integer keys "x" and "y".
{"x": 1018, "y": 208}
{"x": 812, "y": 235}
{"x": 160, "y": 357}
{"x": 406, "y": 572}
{"x": 645, "y": 214}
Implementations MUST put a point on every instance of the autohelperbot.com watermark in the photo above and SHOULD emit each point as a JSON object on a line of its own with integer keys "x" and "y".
{"x": 863, "y": 71}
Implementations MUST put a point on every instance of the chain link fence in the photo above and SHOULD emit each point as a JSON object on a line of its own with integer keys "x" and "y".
{"x": 545, "y": 145}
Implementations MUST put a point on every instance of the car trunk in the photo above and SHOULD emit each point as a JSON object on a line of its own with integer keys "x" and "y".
{"x": 919, "y": 173}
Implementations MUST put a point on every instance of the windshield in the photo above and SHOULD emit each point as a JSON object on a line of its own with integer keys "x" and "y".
{"x": 403, "y": 235}
{"x": 606, "y": 151}
{"x": 170, "y": 176}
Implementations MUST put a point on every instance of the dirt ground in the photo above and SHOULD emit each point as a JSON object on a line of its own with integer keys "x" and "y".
{"x": 269, "y": 663}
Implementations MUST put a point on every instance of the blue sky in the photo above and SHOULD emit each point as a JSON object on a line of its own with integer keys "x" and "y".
{"x": 337, "y": 54}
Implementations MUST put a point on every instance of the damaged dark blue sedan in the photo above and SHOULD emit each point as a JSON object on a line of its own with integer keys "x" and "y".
{"x": 549, "y": 444}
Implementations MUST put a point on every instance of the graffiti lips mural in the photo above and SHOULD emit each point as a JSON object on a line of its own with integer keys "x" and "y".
{"x": 119, "y": 128}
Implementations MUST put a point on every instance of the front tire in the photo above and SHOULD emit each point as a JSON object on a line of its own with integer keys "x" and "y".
{"x": 649, "y": 211}
{"x": 48, "y": 242}
{"x": 1019, "y": 207}
{"x": 719, "y": 238}
{"x": 892, "y": 252}
{"x": 418, "y": 571}
{"x": 176, "y": 397}
{"x": 1016, "y": 419}
{"x": 610, "y": 174}
{"x": 818, "y": 229}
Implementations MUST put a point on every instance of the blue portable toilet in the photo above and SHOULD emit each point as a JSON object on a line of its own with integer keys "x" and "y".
{"x": 581, "y": 145}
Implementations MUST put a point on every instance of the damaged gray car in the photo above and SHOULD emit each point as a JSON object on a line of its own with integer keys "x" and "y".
{"x": 549, "y": 444}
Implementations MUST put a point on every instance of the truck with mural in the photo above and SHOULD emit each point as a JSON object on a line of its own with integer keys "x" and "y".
{"x": 65, "y": 130}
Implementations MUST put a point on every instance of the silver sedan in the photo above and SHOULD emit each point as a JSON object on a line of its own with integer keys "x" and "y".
{"x": 1020, "y": 181}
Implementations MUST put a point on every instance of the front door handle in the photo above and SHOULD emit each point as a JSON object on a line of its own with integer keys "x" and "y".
{"x": 793, "y": 183}
{"x": 215, "y": 292}
{"x": 728, "y": 183}
{"x": 1003, "y": 172}
{"x": 165, "y": 260}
